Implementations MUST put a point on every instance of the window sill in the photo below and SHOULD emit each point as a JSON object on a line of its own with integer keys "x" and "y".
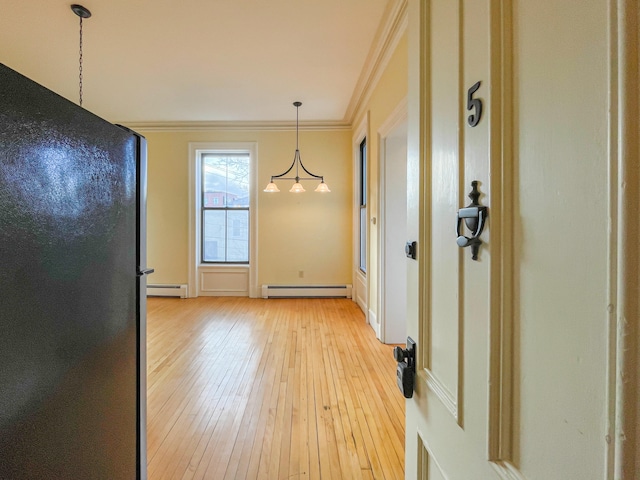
{"x": 224, "y": 266}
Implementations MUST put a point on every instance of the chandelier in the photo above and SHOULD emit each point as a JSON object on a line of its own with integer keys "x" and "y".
{"x": 297, "y": 163}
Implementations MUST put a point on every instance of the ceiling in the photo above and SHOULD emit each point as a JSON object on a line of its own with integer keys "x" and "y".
{"x": 179, "y": 61}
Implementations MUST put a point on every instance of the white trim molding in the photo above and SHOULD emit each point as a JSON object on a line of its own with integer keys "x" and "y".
{"x": 372, "y": 318}
{"x": 382, "y": 48}
{"x": 394, "y": 120}
{"x": 623, "y": 439}
{"x": 194, "y": 276}
{"x": 272, "y": 126}
{"x": 360, "y": 280}
{"x": 223, "y": 280}
{"x": 359, "y": 294}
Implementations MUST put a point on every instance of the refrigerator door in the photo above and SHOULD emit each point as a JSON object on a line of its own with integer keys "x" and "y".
{"x": 70, "y": 312}
{"x": 142, "y": 272}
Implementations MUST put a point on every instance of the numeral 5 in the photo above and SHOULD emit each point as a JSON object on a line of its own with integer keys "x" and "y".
{"x": 472, "y": 103}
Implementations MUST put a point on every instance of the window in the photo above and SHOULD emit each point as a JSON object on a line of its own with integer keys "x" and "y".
{"x": 363, "y": 205}
{"x": 225, "y": 207}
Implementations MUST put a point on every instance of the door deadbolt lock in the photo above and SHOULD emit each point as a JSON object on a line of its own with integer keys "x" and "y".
{"x": 405, "y": 373}
{"x": 411, "y": 250}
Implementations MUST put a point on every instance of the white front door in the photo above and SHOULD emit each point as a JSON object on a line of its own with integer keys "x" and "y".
{"x": 517, "y": 350}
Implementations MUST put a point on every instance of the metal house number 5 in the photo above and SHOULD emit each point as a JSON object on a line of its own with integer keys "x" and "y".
{"x": 472, "y": 103}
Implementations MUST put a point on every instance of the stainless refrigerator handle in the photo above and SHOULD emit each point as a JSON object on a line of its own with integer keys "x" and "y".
{"x": 145, "y": 271}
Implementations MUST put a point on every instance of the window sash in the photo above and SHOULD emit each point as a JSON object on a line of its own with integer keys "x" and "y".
{"x": 363, "y": 239}
{"x": 363, "y": 206}
{"x": 225, "y": 239}
{"x": 363, "y": 173}
{"x": 227, "y": 234}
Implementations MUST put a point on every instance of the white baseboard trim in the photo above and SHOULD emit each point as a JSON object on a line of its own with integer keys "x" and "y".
{"x": 373, "y": 321}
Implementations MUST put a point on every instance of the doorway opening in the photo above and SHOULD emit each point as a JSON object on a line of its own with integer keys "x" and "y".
{"x": 392, "y": 282}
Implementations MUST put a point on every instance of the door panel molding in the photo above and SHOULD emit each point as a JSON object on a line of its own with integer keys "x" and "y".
{"x": 448, "y": 399}
{"x": 623, "y": 438}
{"x": 428, "y": 466}
{"x": 507, "y": 471}
{"x": 503, "y": 205}
{"x": 442, "y": 99}
{"x": 503, "y": 399}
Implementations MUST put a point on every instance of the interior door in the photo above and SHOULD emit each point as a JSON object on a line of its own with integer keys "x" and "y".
{"x": 450, "y": 406}
{"x": 516, "y": 369}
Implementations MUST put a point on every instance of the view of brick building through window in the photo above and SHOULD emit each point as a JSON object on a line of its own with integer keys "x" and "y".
{"x": 225, "y": 208}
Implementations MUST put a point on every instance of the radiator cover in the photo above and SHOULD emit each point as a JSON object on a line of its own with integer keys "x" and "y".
{"x": 167, "y": 291}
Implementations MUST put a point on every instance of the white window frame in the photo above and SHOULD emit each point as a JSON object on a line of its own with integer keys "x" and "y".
{"x": 230, "y": 226}
{"x": 196, "y": 267}
{"x": 363, "y": 200}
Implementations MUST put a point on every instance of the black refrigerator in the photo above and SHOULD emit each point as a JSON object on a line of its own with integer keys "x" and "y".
{"x": 72, "y": 290}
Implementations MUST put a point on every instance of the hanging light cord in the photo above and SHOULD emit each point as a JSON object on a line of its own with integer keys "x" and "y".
{"x": 80, "y": 63}
{"x": 82, "y": 13}
{"x": 297, "y": 149}
{"x": 297, "y": 161}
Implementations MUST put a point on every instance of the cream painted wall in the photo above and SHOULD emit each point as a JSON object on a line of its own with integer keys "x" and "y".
{"x": 388, "y": 93}
{"x": 309, "y": 232}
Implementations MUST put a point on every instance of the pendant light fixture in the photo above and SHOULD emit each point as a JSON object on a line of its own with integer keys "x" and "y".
{"x": 297, "y": 163}
{"x": 81, "y": 12}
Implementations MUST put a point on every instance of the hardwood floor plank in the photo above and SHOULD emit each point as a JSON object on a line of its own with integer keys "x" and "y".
{"x": 270, "y": 389}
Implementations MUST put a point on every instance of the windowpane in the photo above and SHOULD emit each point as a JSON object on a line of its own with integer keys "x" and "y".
{"x": 363, "y": 239}
{"x": 363, "y": 172}
{"x": 225, "y": 205}
{"x": 225, "y": 180}
{"x": 363, "y": 205}
{"x": 213, "y": 236}
{"x": 237, "y": 235}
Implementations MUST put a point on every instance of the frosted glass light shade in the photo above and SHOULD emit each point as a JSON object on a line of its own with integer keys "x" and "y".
{"x": 322, "y": 188}
{"x": 272, "y": 187}
{"x": 297, "y": 188}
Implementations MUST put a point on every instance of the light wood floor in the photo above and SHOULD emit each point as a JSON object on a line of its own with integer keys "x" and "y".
{"x": 270, "y": 389}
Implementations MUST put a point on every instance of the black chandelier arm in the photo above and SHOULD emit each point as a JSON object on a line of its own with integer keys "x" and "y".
{"x": 308, "y": 172}
{"x": 297, "y": 161}
{"x": 315, "y": 177}
{"x": 295, "y": 157}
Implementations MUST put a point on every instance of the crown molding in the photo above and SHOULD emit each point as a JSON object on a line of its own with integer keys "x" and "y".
{"x": 382, "y": 48}
{"x": 233, "y": 126}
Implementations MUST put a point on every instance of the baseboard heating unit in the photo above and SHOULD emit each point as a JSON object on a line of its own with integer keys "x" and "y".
{"x": 167, "y": 291}
{"x": 306, "y": 291}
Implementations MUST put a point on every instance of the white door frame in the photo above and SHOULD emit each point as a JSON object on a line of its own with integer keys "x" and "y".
{"x": 360, "y": 282}
{"x": 395, "y": 119}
